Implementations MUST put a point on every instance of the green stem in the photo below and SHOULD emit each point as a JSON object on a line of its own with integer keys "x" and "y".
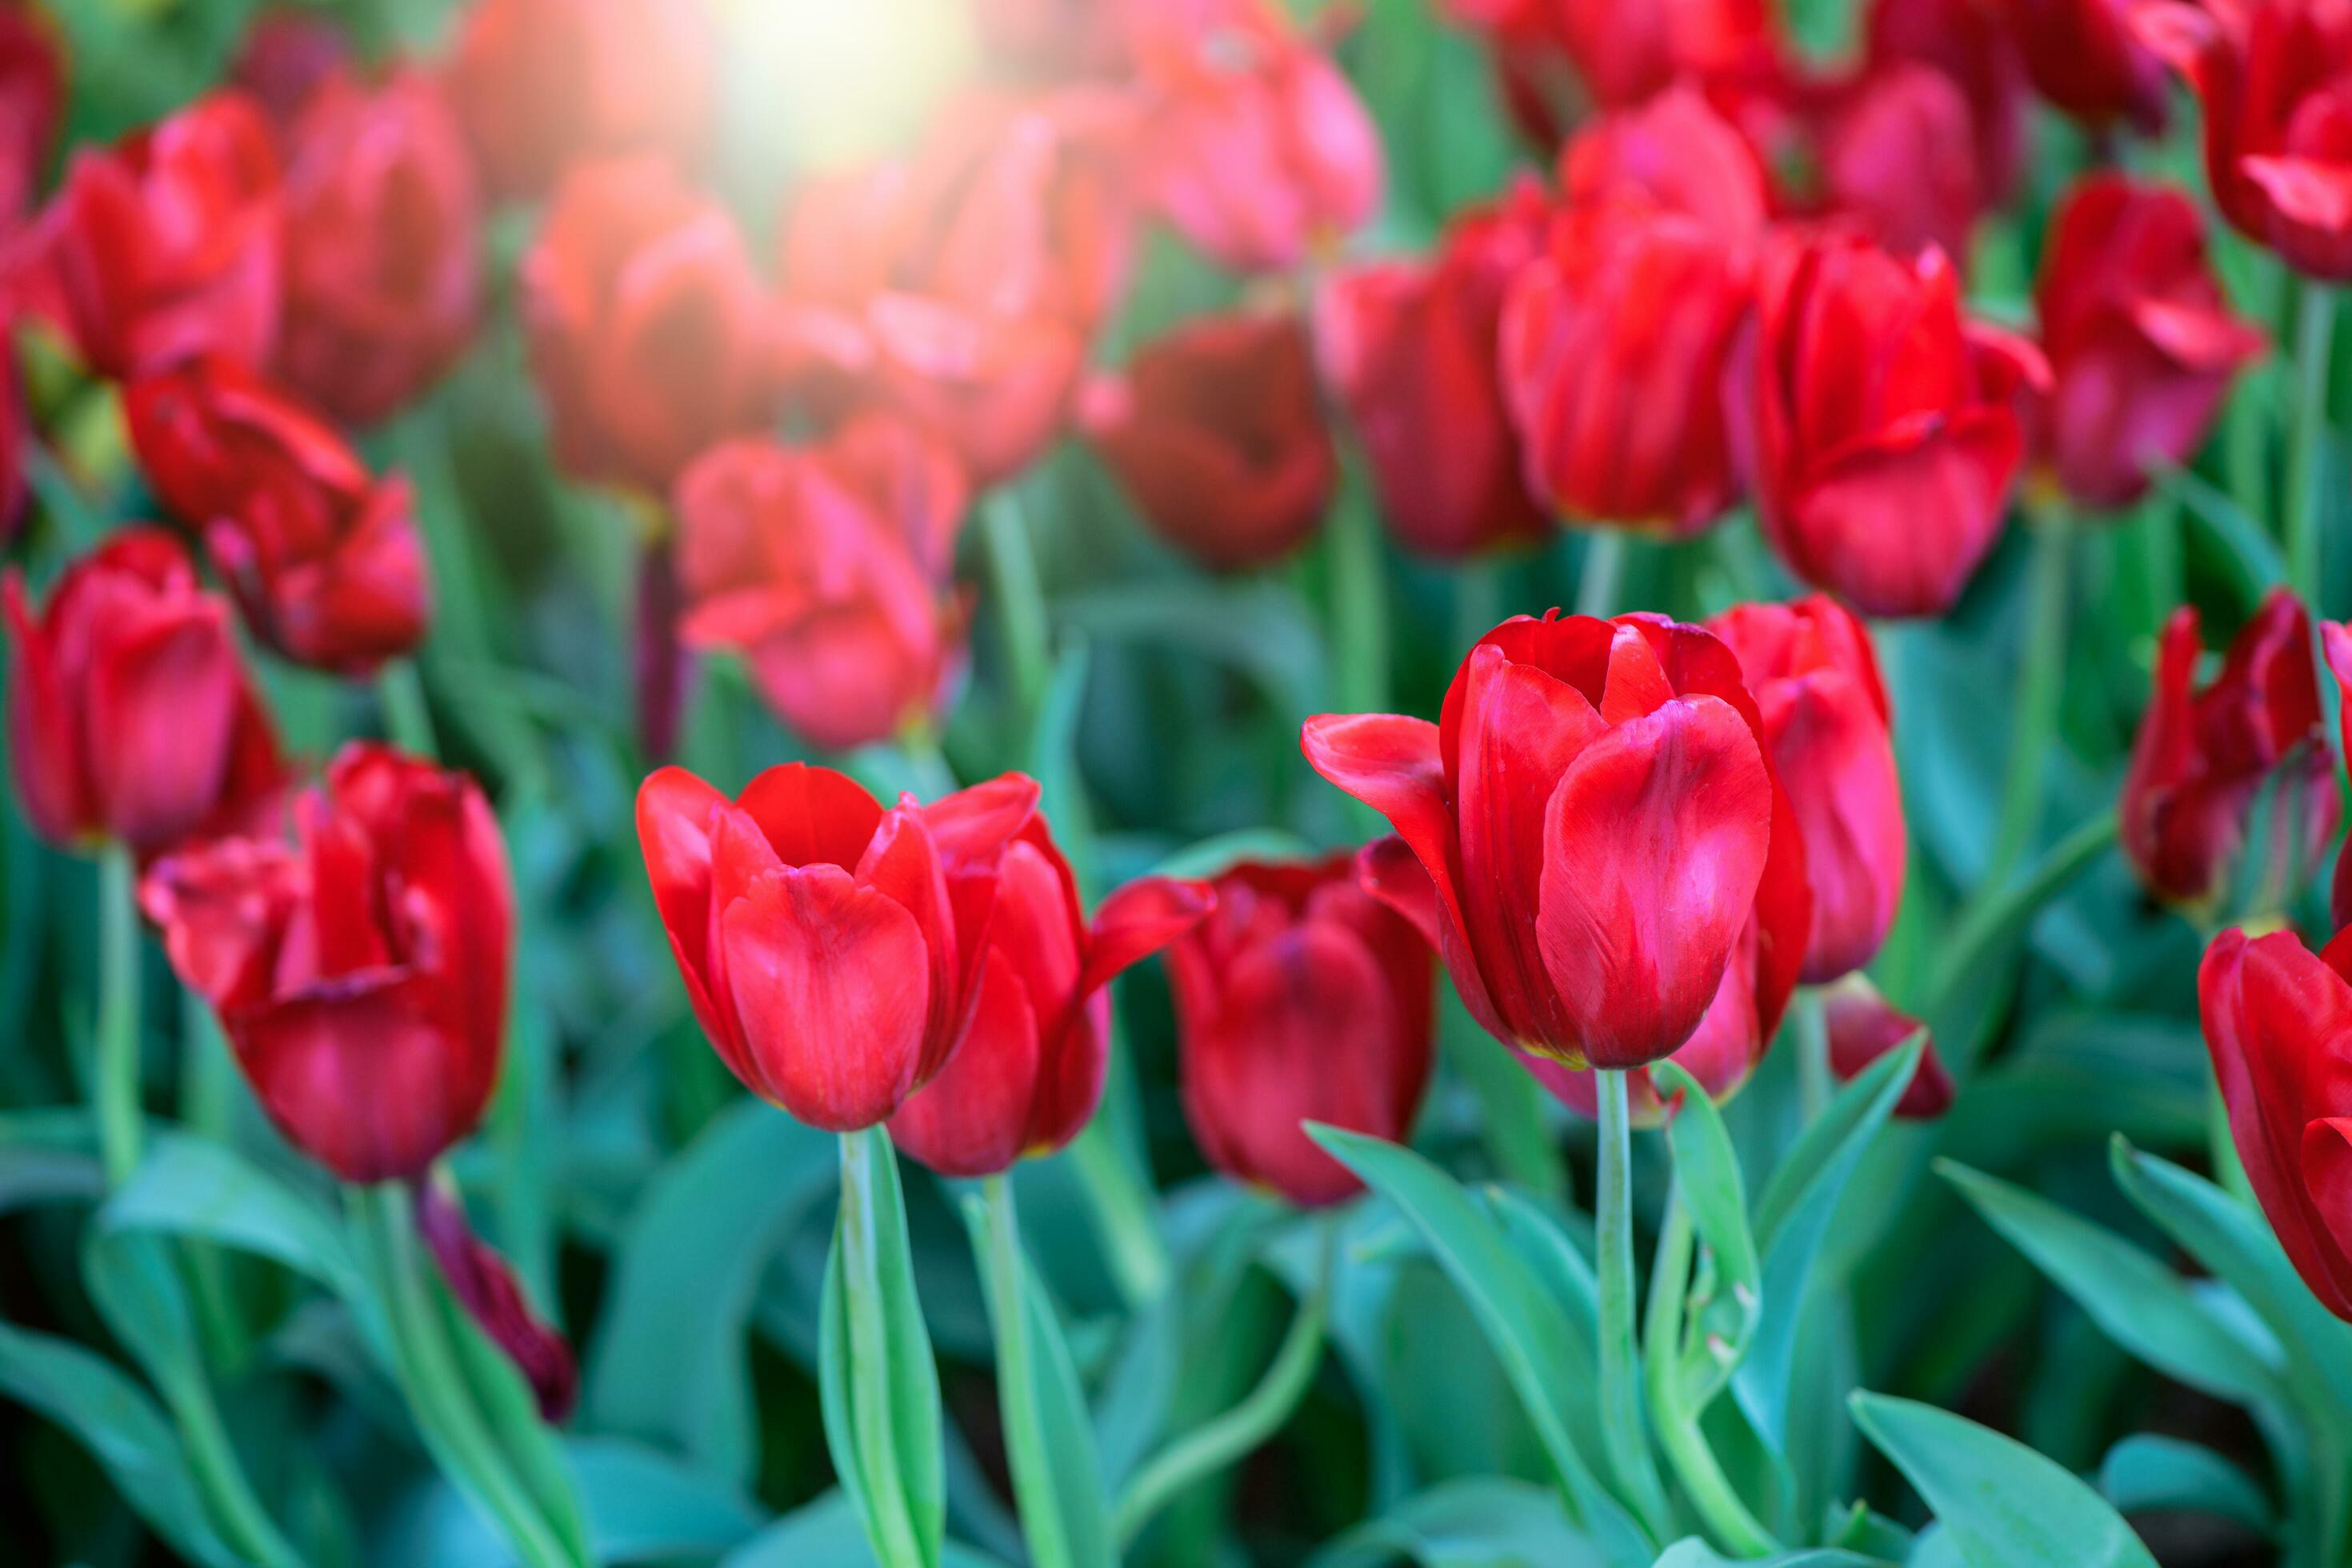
{"x": 1710, "y": 1492}
{"x": 1621, "y": 1395}
{"x": 1477, "y": 598}
{"x": 1209, "y": 1448}
{"x": 1597, "y": 577}
{"x": 116, "y": 1090}
{"x": 407, "y": 721}
{"x": 1019, "y": 598}
{"x": 2041, "y": 680}
{"x": 898, "y": 1541}
{"x": 2000, "y": 912}
{"x": 1033, "y": 1480}
{"x": 2306, "y": 467}
{"x": 221, "y": 1477}
{"x": 1135, "y": 1250}
{"x": 1815, "y": 1082}
{"x": 1359, "y": 620}
{"x": 2246, "y": 425}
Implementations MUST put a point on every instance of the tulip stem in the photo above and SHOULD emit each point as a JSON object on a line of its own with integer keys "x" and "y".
{"x": 1035, "y": 1480}
{"x": 407, "y": 720}
{"x": 2314, "y": 349}
{"x": 896, "y": 1539}
{"x": 1208, "y": 1448}
{"x": 2247, "y": 425}
{"x": 2040, "y": 682}
{"x": 1019, "y": 598}
{"x": 1620, "y": 1368}
{"x": 1132, "y": 1244}
{"x": 1358, "y": 590}
{"x": 1601, "y": 572}
{"x": 1814, "y": 1078}
{"x": 116, "y": 1068}
{"x": 1999, "y": 914}
{"x": 1710, "y": 1492}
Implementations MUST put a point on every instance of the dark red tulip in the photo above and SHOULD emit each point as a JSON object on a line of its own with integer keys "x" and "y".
{"x": 2141, "y": 341}
{"x": 828, "y": 569}
{"x": 645, "y": 321}
{"x": 168, "y": 245}
{"x": 1257, "y": 149}
{"x": 2203, "y": 759}
{"x": 360, "y": 971}
{"x": 1294, "y": 959}
{"x": 323, "y": 558}
{"x": 1967, "y": 41}
{"x": 1558, "y": 56}
{"x": 2085, "y": 57}
{"x": 960, "y": 287}
{"x": 2273, "y": 78}
{"x": 541, "y": 84}
{"x": 833, "y": 950}
{"x": 287, "y": 51}
{"x": 32, "y": 100}
{"x": 2336, "y": 640}
{"x": 1592, "y": 835}
{"x": 383, "y": 243}
{"x": 1897, "y": 159}
{"x": 2278, "y": 1022}
{"x": 1826, "y": 723}
{"x": 16, "y": 437}
{"x": 130, "y": 716}
{"x": 1862, "y": 1026}
{"x": 1028, "y": 1072}
{"x": 483, "y": 1284}
{"x": 1216, "y": 432}
{"x": 1409, "y": 348}
{"x": 1614, "y": 340}
{"x": 1886, "y": 431}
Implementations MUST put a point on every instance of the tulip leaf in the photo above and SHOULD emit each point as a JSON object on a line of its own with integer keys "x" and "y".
{"x": 2148, "y": 1474}
{"x": 48, "y": 1156}
{"x": 1696, "y": 1553}
{"x": 2005, "y": 1505}
{"x": 2140, "y": 1303}
{"x": 1530, "y": 1331}
{"x": 1482, "y": 1521}
{"x": 1707, "y": 1174}
{"x": 668, "y": 1366}
{"x": 193, "y": 1187}
{"x": 827, "y": 1532}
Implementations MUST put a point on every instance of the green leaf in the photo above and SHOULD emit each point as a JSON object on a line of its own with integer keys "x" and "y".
{"x": 668, "y": 1366}
{"x": 644, "y": 1506}
{"x": 1706, "y": 1170}
{"x": 2005, "y": 1505}
{"x": 1254, "y": 626}
{"x": 192, "y": 1187}
{"x": 2139, "y": 1302}
{"x": 1211, "y": 856}
{"x": 826, "y": 1535}
{"x": 1483, "y": 1521}
{"x": 2148, "y": 1474}
{"x": 1530, "y": 1331}
{"x": 48, "y": 1156}
{"x": 1696, "y": 1553}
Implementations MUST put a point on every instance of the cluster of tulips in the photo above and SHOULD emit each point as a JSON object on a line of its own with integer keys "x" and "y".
{"x": 1731, "y": 276}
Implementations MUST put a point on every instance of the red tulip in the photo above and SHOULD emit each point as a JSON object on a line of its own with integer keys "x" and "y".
{"x": 1258, "y": 152}
{"x": 1216, "y": 432}
{"x": 828, "y": 568}
{"x": 2085, "y": 57}
{"x": 2337, "y": 641}
{"x": 1028, "y": 1072}
{"x": 2272, "y": 77}
{"x": 382, "y": 242}
{"x": 1897, "y": 153}
{"x": 287, "y": 52}
{"x": 1295, "y": 964}
{"x": 32, "y": 101}
{"x": 16, "y": 437}
{"x": 541, "y": 84}
{"x": 2141, "y": 341}
{"x": 168, "y": 245}
{"x": 1815, "y": 676}
{"x": 1885, "y": 434}
{"x": 832, "y": 950}
{"x": 959, "y": 288}
{"x": 2202, "y": 760}
{"x": 1592, "y": 837}
{"x": 1614, "y": 340}
{"x": 483, "y": 1284}
{"x": 360, "y": 971}
{"x": 644, "y": 318}
{"x": 1966, "y": 41}
{"x": 1617, "y": 55}
{"x": 2278, "y": 1021}
{"x": 1863, "y": 1027}
{"x": 323, "y": 558}
{"x": 1410, "y": 347}
{"x": 130, "y": 716}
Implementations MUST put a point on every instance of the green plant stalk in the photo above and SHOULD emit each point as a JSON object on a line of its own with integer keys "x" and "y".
{"x": 453, "y": 1427}
{"x": 1815, "y": 1082}
{"x": 2002, "y": 910}
{"x": 117, "y": 1065}
{"x": 1033, "y": 1480}
{"x": 1601, "y": 571}
{"x": 1133, "y": 1248}
{"x": 1620, "y": 1370}
{"x": 1210, "y": 1448}
{"x": 220, "y": 1475}
{"x": 2315, "y": 340}
{"x": 407, "y": 720}
{"x": 1710, "y": 1492}
{"x": 897, "y": 1542}
{"x": 1019, "y": 598}
{"x": 2040, "y": 682}
{"x": 1360, "y": 618}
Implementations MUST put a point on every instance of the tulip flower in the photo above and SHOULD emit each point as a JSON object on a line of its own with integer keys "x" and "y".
{"x": 2141, "y": 341}
{"x": 130, "y": 716}
{"x": 382, "y": 242}
{"x": 2085, "y": 58}
{"x": 543, "y": 84}
{"x": 1027, "y": 1074}
{"x": 2278, "y": 1022}
{"x": 1897, "y": 150}
{"x": 1592, "y": 837}
{"x": 323, "y": 558}
{"x": 1968, "y": 43}
{"x": 2204, "y": 759}
{"x": 2335, "y": 642}
{"x": 1409, "y": 348}
{"x": 646, "y": 323}
{"x": 1216, "y": 434}
{"x": 1826, "y": 724}
{"x": 32, "y": 100}
{"x": 168, "y": 245}
{"x": 1556, "y": 56}
{"x": 2270, "y": 77}
{"x": 1885, "y": 433}
{"x": 1862, "y": 1026}
{"x": 832, "y": 951}
{"x": 1297, "y": 961}
{"x": 1614, "y": 340}
{"x": 828, "y": 569}
{"x": 288, "y": 51}
{"x": 16, "y": 435}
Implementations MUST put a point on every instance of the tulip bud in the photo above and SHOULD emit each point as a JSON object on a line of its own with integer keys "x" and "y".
{"x": 1216, "y": 434}
{"x": 1863, "y": 1027}
{"x": 1968, "y": 43}
{"x": 1301, "y": 998}
{"x": 2087, "y": 57}
{"x": 1898, "y": 157}
{"x": 828, "y": 569}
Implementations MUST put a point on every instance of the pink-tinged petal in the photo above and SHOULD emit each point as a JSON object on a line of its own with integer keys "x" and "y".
{"x": 1637, "y": 681}
{"x": 1654, "y": 845}
{"x": 2315, "y": 194}
{"x": 973, "y": 1118}
{"x": 44, "y": 744}
{"x": 160, "y": 701}
{"x": 676, "y": 813}
{"x": 903, "y": 864}
{"x": 1136, "y": 921}
{"x": 741, "y": 859}
{"x": 831, "y": 984}
{"x": 812, "y": 815}
{"x": 222, "y": 908}
{"x": 1862, "y": 1026}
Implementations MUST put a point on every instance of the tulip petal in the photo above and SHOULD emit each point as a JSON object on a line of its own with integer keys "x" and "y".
{"x": 2327, "y": 1177}
{"x": 1392, "y": 764}
{"x": 977, "y": 822}
{"x": 1899, "y": 524}
{"x": 1390, "y": 871}
{"x": 1136, "y": 921}
{"x": 903, "y": 864}
{"x": 1637, "y": 682}
{"x": 1833, "y": 752}
{"x": 486, "y": 1287}
{"x": 675, "y": 823}
{"x": 160, "y": 700}
{"x": 812, "y": 815}
{"x": 973, "y": 1118}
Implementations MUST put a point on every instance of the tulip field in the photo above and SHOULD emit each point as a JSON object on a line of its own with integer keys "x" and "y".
{"x": 1187, "y": 784}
